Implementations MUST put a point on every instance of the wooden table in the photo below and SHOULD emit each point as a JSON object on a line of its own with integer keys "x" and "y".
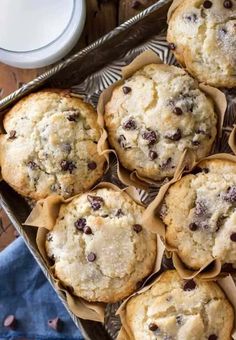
{"x": 102, "y": 17}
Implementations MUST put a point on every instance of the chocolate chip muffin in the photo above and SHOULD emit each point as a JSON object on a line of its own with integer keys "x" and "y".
{"x": 176, "y": 309}
{"x": 154, "y": 116}
{"x": 202, "y": 35}
{"x": 50, "y": 145}
{"x": 99, "y": 248}
{"x": 199, "y": 212}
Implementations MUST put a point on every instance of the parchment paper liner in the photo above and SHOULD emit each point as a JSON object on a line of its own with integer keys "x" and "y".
{"x": 226, "y": 283}
{"x": 155, "y": 224}
{"x": 44, "y": 216}
{"x": 148, "y": 57}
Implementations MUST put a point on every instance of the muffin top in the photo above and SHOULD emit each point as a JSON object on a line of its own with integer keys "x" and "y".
{"x": 99, "y": 247}
{"x": 154, "y": 116}
{"x": 50, "y": 145}
{"x": 199, "y": 212}
{"x": 183, "y": 310}
{"x": 202, "y": 35}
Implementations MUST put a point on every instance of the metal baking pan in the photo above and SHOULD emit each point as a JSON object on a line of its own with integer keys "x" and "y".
{"x": 87, "y": 73}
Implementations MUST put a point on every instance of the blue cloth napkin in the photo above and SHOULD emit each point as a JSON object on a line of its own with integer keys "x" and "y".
{"x": 26, "y": 293}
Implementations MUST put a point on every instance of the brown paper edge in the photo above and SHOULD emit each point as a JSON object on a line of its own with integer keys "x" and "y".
{"x": 155, "y": 224}
{"x": 44, "y": 216}
{"x": 148, "y": 57}
{"x": 232, "y": 140}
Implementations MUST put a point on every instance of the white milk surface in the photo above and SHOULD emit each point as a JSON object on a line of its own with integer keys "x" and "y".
{"x": 27, "y": 25}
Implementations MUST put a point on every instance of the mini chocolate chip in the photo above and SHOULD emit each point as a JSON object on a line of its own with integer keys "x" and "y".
{"x": 67, "y": 166}
{"x": 178, "y": 111}
{"x": 200, "y": 208}
{"x": 207, "y": 4}
{"x": 92, "y": 165}
{"x": 91, "y": 257}
{"x": 192, "y": 17}
{"x": 49, "y": 237}
{"x": 95, "y": 201}
{"x": 198, "y": 170}
{"x": 195, "y": 143}
{"x": 179, "y": 319}
{"x": 172, "y": 46}
{"x": 105, "y": 216}
{"x": 80, "y": 223}
{"x": 126, "y": 89}
{"x": 119, "y": 213}
{"x": 66, "y": 147}
{"x": 10, "y": 322}
{"x": 233, "y": 237}
{"x": 228, "y": 4}
{"x": 72, "y": 118}
{"x": 223, "y": 31}
{"x": 137, "y": 228}
{"x": 230, "y": 196}
{"x": 193, "y": 226}
{"x": 213, "y": 337}
{"x": 130, "y": 125}
{"x": 32, "y": 165}
{"x": 55, "y": 324}
{"x": 152, "y": 327}
{"x": 150, "y": 136}
{"x": 87, "y": 230}
{"x": 189, "y": 285}
{"x": 176, "y": 136}
{"x": 12, "y": 134}
{"x": 166, "y": 164}
{"x": 152, "y": 155}
{"x": 52, "y": 260}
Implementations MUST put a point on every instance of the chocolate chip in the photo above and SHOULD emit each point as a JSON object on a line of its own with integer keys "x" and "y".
{"x": 172, "y": 46}
{"x": 192, "y": 17}
{"x": 91, "y": 257}
{"x": 233, "y": 237}
{"x": 55, "y": 324}
{"x": 175, "y": 136}
{"x": 200, "y": 208}
{"x": 137, "y": 228}
{"x": 32, "y": 165}
{"x": 87, "y": 230}
{"x": 193, "y": 226}
{"x": 178, "y": 111}
{"x": 130, "y": 125}
{"x": 95, "y": 201}
{"x": 10, "y": 322}
{"x": 119, "y": 213}
{"x": 12, "y": 134}
{"x": 195, "y": 143}
{"x": 189, "y": 285}
{"x": 152, "y": 155}
{"x": 150, "y": 136}
{"x": 49, "y": 237}
{"x": 67, "y": 166}
{"x": 66, "y": 147}
{"x": 135, "y": 4}
{"x": 80, "y": 223}
{"x": 198, "y": 170}
{"x": 122, "y": 141}
{"x": 228, "y": 4}
{"x": 207, "y": 4}
{"x": 223, "y": 31}
{"x": 92, "y": 165}
{"x": 72, "y": 115}
{"x": 152, "y": 327}
{"x": 126, "y": 89}
{"x": 166, "y": 164}
{"x": 179, "y": 319}
{"x": 230, "y": 196}
{"x": 52, "y": 260}
{"x": 212, "y": 337}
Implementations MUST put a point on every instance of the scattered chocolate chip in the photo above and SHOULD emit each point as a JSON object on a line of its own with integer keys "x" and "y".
{"x": 172, "y": 46}
{"x": 126, "y": 89}
{"x": 66, "y": 147}
{"x": 55, "y": 324}
{"x": 137, "y": 228}
{"x": 72, "y": 115}
{"x": 150, "y": 136}
{"x": 80, "y": 223}
{"x": 92, "y": 165}
{"x": 32, "y": 165}
{"x": 49, "y": 237}
{"x": 166, "y": 164}
{"x": 200, "y": 208}
{"x": 233, "y": 237}
{"x": 175, "y": 136}
{"x": 152, "y": 327}
{"x": 228, "y": 4}
{"x": 91, "y": 257}
{"x": 195, "y": 143}
{"x": 10, "y": 322}
{"x": 87, "y": 230}
{"x": 152, "y": 155}
{"x": 198, "y": 170}
{"x": 130, "y": 125}
{"x": 95, "y": 201}
{"x": 179, "y": 319}
{"x": 119, "y": 213}
{"x": 12, "y": 134}
{"x": 52, "y": 260}
{"x": 223, "y": 31}
{"x": 192, "y": 17}
{"x": 193, "y": 226}
{"x": 230, "y": 196}
{"x": 189, "y": 285}
{"x": 135, "y": 4}
{"x": 122, "y": 141}
{"x": 212, "y": 337}
{"x": 207, "y": 4}
{"x": 67, "y": 166}
{"x": 105, "y": 216}
{"x": 178, "y": 111}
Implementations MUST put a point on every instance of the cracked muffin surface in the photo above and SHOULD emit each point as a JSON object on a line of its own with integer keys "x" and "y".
{"x": 154, "y": 116}
{"x": 99, "y": 247}
{"x": 175, "y": 309}
{"x": 50, "y": 145}
{"x": 202, "y": 35}
{"x": 199, "y": 212}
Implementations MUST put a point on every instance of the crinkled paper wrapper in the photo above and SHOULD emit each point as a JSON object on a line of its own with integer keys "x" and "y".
{"x": 44, "y": 216}
{"x": 148, "y": 57}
